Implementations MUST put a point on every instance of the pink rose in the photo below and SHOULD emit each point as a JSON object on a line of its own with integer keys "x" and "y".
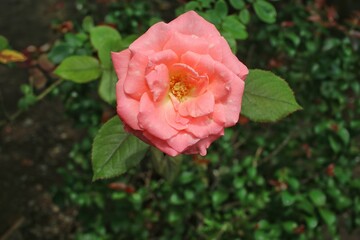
{"x": 179, "y": 85}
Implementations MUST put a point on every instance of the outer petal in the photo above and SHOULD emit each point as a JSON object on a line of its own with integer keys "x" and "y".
{"x": 153, "y": 40}
{"x": 121, "y": 63}
{"x": 161, "y": 144}
{"x": 158, "y": 82}
{"x": 182, "y": 141}
{"x": 231, "y": 61}
{"x": 198, "y": 106}
{"x": 152, "y": 117}
{"x": 127, "y": 108}
{"x": 134, "y": 84}
{"x": 181, "y": 43}
{"x": 232, "y": 105}
{"x": 190, "y": 23}
{"x": 203, "y": 127}
{"x": 202, "y": 146}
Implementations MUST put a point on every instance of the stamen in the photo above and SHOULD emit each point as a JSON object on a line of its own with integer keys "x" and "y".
{"x": 178, "y": 87}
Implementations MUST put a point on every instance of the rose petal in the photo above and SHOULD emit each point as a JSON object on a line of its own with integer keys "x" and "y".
{"x": 161, "y": 144}
{"x": 135, "y": 84}
{"x": 197, "y": 106}
{"x": 121, "y": 63}
{"x": 127, "y": 107}
{"x": 158, "y": 82}
{"x": 231, "y": 61}
{"x": 153, "y": 40}
{"x": 203, "y": 64}
{"x": 152, "y": 117}
{"x": 232, "y": 104}
{"x": 220, "y": 83}
{"x": 202, "y": 127}
{"x": 182, "y": 141}
{"x": 181, "y": 43}
{"x": 219, "y": 114}
{"x": 202, "y": 145}
{"x": 176, "y": 121}
{"x": 191, "y": 23}
{"x": 167, "y": 57}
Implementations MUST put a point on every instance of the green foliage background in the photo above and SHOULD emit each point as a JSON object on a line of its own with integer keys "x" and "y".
{"x": 294, "y": 179}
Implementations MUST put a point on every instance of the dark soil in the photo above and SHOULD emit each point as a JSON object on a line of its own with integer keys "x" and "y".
{"x": 37, "y": 143}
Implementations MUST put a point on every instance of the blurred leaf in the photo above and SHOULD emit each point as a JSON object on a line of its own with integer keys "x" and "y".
{"x": 221, "y": 8}
{"x": 244, "y": 16}
{"x": 305, "y": 205}
{"x": 75, "y": 40}
{"x": 267, "y": 97}
{"x": 233, "y": 26}
{"x": 335, "y": 146}
{"x": 265, "y": 11}
{"x": 3, "y": 42}
{"x": 115, "y": 151}
{"x": 165, "y": 165}
{"x": 311, "y": 222}
{"x": 218, "y": 197}
{"x": 328, "y": 216}
{"x": 107, "y": 86}
{"x": 28, "y": 99}
{"x": 9, "y": 56}
{"x": 191, "y": 6}
{"x": 237, "y": 4}
{"x": 59, "y": 52}
{"x": 88, "y": 23}
{"x": 79, "y": 69}
{"x": 317, "y": 197}
{"x": 287, "y": 199}
{"x": 289, "y": 226}
{"x": 344, "y": 135}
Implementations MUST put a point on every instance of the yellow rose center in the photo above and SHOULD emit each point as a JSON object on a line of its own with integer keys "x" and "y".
{"x": 178, "y": 87}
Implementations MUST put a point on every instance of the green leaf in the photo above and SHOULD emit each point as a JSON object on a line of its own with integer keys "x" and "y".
{"x": 289, "y": 226}
{"x": 335, "y": 146}
{"x": 3, "y": 42}
{"x": 60, "y": 51}
{"x": 344, "y": 135}
{"x": 267, "y": 97}
{"x": 287, "y": 199}
{"x": 164, "y": 165}
{"x": 105, "y": 39}
{"x": 107, "y": 86}
{"x": 233, "y": 26}
{"x": 244, "y": 16}
{"x": 237, "y": 4}
{"x": 101, "y": 35}
{"x": 221, "y": 8}
{"x": 328, "y": 216}
{"x": 218, "y": 197}
{"x": 115, "y": 151}
{"x": 88, "y": 23}
{"x": 191, "y": 6}
{"x": 79, "y": 69}
{"x": 265, "y": 11}
{"x": 311, "y": 222}
{"x": 317, "y": 197}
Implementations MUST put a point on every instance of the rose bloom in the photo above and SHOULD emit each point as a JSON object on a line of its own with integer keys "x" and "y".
{"x": 179, "y": 85}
